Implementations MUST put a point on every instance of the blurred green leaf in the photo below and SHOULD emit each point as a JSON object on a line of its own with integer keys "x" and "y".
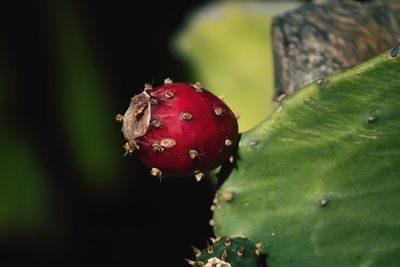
{"x": 88, "y": 118}
{"x": 227, "y": 46}
{"x": 22, "y": 188}
{"x": 22, "y": 180}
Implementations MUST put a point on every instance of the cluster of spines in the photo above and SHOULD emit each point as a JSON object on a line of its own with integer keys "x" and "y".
{"x": 227, "y": 252}
{"x": 130, "y": 146}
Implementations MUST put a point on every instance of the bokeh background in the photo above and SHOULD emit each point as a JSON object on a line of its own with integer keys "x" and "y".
{"x": 67, "y": 196}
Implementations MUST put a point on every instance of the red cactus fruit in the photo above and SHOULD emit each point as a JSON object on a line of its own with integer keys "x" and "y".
{"x": 179, "y": 129}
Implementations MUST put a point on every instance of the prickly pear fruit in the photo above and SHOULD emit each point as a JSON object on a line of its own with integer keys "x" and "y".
{"x": 229, "y": 252}
{"x": 179, "y": 129}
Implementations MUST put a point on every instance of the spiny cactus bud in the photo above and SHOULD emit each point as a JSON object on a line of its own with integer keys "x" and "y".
{"x": 179, "y": 129}
{"x": 228, "y": 252}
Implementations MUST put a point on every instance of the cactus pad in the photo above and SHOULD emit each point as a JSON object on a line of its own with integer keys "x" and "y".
{"x": 318, "y": 181}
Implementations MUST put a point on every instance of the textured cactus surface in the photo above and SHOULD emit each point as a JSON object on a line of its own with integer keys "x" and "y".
{"x": 318, "y": 182}
{"x": 229, "y": 252}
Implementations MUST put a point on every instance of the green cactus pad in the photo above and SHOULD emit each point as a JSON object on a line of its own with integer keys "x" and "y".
{"x": 235, "y": 252}
{"x": 318, "y": 182}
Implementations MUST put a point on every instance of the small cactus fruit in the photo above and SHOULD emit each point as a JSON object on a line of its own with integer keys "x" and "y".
{"x": 179, "y": 129}
{"x": 229, "y": 252}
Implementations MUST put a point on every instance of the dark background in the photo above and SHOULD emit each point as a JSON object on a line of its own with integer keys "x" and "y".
{"x": 66, "y": 69}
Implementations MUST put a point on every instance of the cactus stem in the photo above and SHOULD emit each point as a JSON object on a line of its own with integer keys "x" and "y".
{"x": 197, "y": 86}
{"x": 193, "y": 154}
{"x": 168, "y": 81}
{"x": 169, "y": 94}
{"x": 190, "y": 262}
{"x": 187, "y": 116}
{"x": 196, "y": 251}
{"x": 148, "y": 86}
{"x": 224, "y": 255}
{"x": 198, "y": 175}
{"x": 227, "y": 196}
{"x": 168, "y": 142}
{"x": 210, "y": 249}
{"x": 240, "y": 251}
{"x": 157, "y": 147}
{"x": 119, "y": 118}
{"x": 155, "y": 124}
{"x": 227, "y": 241}
{"x": 323, "y": 202}
{"x": 218, "y": 111}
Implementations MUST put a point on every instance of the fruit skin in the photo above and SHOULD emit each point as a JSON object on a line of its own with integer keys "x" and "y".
{"x": 180, "y": 129}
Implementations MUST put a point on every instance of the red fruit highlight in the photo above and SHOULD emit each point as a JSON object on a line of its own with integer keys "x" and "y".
{"x": 179, "y": 129}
